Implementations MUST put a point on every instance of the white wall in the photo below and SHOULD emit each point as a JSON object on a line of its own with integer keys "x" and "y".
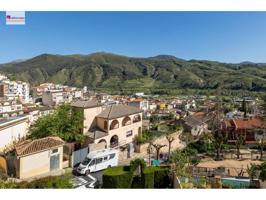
{"x": 10, "y": 134}
{"x": 37, "y": 164}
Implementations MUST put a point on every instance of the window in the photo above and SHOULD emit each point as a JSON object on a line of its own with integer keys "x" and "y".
{"x": 112, "y": 155}
{"x": 99, "y": 160}
{"x": 105, "y": 158}
{"x": 129, "y": 133}
{"x": 92, "y": 162}
{"x": 54, "y": 151}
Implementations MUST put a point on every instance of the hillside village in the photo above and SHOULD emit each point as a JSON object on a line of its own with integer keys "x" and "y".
{"x": 183, "y": 141}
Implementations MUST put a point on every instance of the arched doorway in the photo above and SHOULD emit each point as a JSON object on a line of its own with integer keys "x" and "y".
{"x": 114, "y": 141}
{"x": 103, "y": 141}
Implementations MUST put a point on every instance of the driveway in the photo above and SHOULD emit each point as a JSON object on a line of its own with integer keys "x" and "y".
{"x": 98, "y": 175}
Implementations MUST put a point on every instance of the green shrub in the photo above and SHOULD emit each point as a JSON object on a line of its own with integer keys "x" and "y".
{"x": 62, "y": 182}
{"x": 161, "y": 177}
{"x": 148, "y": 177}
{"x": 137, "y": 182}
{"x": 155, "y": 177}
{"x": 4, "y": 184}
{"x": 145, "y": 137}
{"x": 134, "y": 164}
{"x": 47, "y": 182}
{"x": 117, "y": 177}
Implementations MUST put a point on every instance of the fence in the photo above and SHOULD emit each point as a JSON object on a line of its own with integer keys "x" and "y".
{"x": 222, "y": 171}
{"x": 78, "y": 156}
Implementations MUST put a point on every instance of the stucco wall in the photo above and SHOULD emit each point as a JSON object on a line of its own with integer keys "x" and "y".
{"x": 37, "y": 164}
{"x": 100, "y": 123}
{"x": 122, "y": 131}
{"x": 89, "y": 115}
{"x": 10, "y": 134}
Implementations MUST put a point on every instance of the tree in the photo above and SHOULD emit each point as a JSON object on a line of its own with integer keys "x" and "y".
{"x": 181, "y": 161}
{"x": 158, "y": 148}
{"x": 240, "y": 140}
{"x": 264, "y": 104}
{"x": 155, "y": 119}
{"x": 170, "y": 139}
{"x": 253, "y": 171}
{"x": 65, "y": 123}
{"x": 218, "y": 142}
{"x": 260, "y": 141}
{"x": 244, "y": 108}
{"x": 219, "y": 137}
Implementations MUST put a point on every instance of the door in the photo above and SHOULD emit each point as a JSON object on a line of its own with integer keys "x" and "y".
{"x": 100, "y": 164}
{"x": 54, "y": 162}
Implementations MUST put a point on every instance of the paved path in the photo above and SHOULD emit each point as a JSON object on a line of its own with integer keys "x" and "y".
{"x": 176, "y": 144}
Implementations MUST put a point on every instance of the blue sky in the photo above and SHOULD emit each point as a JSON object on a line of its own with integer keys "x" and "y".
{"x": 222, "y": 36}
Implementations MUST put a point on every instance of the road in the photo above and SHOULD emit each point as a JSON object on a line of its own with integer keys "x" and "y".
{"x": 98, "y": 175}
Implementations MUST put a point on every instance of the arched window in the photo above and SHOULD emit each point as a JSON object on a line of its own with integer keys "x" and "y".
{"x": 114, "y": 125}
{"x": 103, "y": 141}
{"x": 126, "y": 121}
{"x": 105, "y": 126}
{"x": 114, "y": 141}
{"x": 136, "y": 118}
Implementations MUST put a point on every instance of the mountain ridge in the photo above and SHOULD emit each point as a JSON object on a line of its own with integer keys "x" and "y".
{"x": 119, "y": 72}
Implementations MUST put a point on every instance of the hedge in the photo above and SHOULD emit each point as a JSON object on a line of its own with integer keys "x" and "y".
{"x": 148, "y": 177}
{"x": 125, "y": 177}
{"x": 161, "y": 177}
{"x": 155, "y": 177}
{"x": 117, "y": 177}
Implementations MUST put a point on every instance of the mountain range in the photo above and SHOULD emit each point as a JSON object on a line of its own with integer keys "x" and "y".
{"x": 115, "y": 72}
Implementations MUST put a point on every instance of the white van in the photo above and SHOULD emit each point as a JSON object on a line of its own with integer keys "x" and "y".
{"x": 98, "y": 160}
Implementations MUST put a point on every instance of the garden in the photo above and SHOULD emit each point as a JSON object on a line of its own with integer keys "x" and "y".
{"x": 136, "y": 175}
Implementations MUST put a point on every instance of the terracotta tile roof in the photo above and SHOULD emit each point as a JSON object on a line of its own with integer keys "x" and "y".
{"x": 248, "y": 123}
{"x": 33, "y": 146}
{"x": 115, "y": 111}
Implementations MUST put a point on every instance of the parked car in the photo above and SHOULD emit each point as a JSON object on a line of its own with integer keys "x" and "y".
{"x": 98, "y": 160}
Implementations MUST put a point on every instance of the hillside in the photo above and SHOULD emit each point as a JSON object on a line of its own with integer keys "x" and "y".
{"x": 115, "y": 72}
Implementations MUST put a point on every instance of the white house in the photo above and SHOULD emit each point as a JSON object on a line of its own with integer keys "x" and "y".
{"x": 41, "y": 157}
{"x": 52, "y": 97}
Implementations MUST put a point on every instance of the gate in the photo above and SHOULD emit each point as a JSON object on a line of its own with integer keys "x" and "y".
{"x": 54, "y": 162}
{"x": 79, "y": 155}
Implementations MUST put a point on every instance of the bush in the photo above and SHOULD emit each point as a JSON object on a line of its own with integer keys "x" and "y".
{"x": 201, "y": 146}
{"x": 155, "y": 177}
{"x": 148, "y": 177}
{"x": 117, "y": 177}
{"x": 145, "y": 137}
{"x": 161, "y": 176}
{"x": 61, "y": 182}
{"x": 134, "y": 164}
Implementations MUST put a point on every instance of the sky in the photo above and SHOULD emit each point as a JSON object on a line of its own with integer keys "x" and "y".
{"x": 221, "y": 36}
